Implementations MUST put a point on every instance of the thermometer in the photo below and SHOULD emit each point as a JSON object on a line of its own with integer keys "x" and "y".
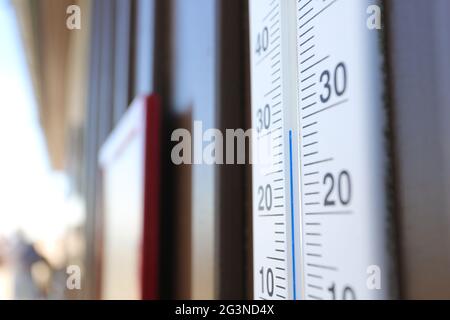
{"x": 274, "y": 97}
{"x": 343, "y": 158}
{"x": 320, "y": 218}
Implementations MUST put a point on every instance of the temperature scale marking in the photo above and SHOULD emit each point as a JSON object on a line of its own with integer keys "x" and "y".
{"x": 319, "y": 196}
{"x": 274, "y": 255}
{"x": 341, "y": 142}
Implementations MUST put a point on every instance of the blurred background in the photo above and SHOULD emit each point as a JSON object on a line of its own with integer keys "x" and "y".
{"x": 42, "y": 209}
{"x": 64, "y": 91}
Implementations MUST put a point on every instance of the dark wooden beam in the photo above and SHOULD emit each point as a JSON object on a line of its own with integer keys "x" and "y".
{"x": 419, "y": 72}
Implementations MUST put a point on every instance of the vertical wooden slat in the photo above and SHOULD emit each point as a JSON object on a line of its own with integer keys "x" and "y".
{"x": 90, "y": 181}
{"x": 248, "y": 201}
{"x": 194, "y": 85}
{"x": 99, "y": 124}
{"x": 418, "y": 51}
{"x": 175, "y": 281}
{"x": 122, "y": 57}
{"x": 231, "y": 179}
{"x": 144, "y": 47}
{"x": 106, "y": 70}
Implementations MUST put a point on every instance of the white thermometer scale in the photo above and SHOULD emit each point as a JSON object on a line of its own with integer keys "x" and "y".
{"x": 320, "y": 204}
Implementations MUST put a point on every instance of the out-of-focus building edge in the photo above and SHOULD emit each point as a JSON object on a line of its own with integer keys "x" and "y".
{"x": 58, "y": 60}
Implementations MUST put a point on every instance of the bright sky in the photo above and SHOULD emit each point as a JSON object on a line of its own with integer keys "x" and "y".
{"x": 32, "y": 196}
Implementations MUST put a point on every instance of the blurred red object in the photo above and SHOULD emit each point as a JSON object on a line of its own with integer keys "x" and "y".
{"x": 130, "y": 162}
